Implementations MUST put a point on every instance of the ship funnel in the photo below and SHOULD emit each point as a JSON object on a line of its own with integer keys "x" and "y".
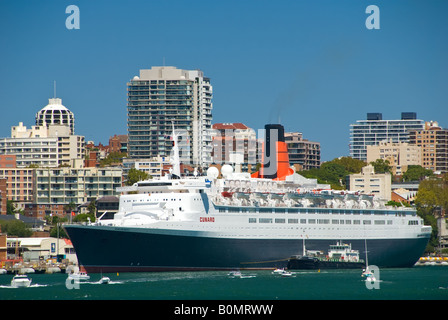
{"x": 275, "y": 159}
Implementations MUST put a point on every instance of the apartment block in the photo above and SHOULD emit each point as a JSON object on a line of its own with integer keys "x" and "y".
{"x": 234, "y": 143}
{"x": 369, "y": 182}
{"x": 433, "y": 141}
{"x": 43, "y": 146}
{"x": 399, "y": 154}
{"x": 3, "y": 197}
{"x": 74, "y": 184}
{"x": 301, "y": 151}
{"x": 374, "y": 129}
{"x": 163, "y": 98}
{"x": 19, "y": 181}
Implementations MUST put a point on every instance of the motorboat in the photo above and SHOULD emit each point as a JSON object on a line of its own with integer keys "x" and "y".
{"x": 79, "y": 276}
{"x": 282, "y": 270}
{"x": 20, "y": 281}
{"x": 104, "y": 280}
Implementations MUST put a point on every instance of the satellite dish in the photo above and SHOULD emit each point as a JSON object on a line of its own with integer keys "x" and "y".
{"x": 212, "y": 172}
{"x": 226, "y": 170}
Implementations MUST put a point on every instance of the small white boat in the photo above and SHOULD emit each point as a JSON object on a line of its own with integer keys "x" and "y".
{"x": 3, "y": 271}
{"x": 286, "y": 274}
{"x": 282, "y": 270}
{"x": 235, "y": 274}
{"x": 20, "y": 281}
{"x": 79, "y": 276}
{"x": 104, "y": 280}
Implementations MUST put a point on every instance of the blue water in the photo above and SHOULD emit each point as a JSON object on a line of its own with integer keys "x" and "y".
{"x": 421, "y": 283}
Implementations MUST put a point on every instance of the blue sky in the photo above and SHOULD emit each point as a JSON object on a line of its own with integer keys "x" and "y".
{"x": 312, "y": 64}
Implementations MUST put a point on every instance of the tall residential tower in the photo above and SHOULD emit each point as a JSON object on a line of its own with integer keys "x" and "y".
{"x": 161, "y": 98}
{"x": 374, "y": 130}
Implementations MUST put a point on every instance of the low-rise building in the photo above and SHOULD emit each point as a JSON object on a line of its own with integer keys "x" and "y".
{"x": 369, "y": 182}
{"x": 75, "y": 184}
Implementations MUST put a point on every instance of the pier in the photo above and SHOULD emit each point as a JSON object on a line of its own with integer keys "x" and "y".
{"x": 12, "y": 267}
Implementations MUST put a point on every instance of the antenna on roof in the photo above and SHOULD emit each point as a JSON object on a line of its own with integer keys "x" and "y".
{"x": 54, "y": 89}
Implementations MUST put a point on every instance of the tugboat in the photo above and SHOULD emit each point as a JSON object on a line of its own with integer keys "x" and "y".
{"x": 340, "y": 256}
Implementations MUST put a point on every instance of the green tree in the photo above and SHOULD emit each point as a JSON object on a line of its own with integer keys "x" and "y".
{"x": 432, "y": 198}
{"x": 381, "y": 166}
{"x": 328, "y": 173}
{"x": 15, "y": 228}
{"x": 10, "y": 207}
{"x": 113, "y": 157}
{"x": 416, "y": 173}
{"x": 84, "y": 217}
{"x": 135, "y": 175}
{"x": 350, "y": 164}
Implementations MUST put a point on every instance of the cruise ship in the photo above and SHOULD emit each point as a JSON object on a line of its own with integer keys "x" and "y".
{"x": 227, "y": 220}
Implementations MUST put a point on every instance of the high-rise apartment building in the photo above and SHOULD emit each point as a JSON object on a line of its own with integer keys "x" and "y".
{"x": 161, "y": 98}
{"x": 374, "y": 130}
{"x": 433, "y": 141}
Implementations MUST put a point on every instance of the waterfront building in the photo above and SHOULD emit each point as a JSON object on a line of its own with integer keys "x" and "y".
{"x": 433, "y": 141}
{"x": 301, "y": 151}
{"x": 42, "y": 248}
{"x": 369, "y": 182}
{"x": 161, "y": 98}
{"x": 399, "y": 154}
{"x": 374, "y": 130}
{"x": 74, "y": 184}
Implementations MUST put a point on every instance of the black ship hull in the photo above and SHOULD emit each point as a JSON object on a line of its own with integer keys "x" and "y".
{"x": 119, "y": 249}
{"x": 311, "y": 263}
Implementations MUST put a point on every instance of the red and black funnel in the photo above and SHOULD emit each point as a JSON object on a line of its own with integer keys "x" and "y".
{"x": 275, "y": 159}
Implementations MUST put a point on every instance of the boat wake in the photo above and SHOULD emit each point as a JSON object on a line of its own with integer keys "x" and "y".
{"x": 36, "y": 285}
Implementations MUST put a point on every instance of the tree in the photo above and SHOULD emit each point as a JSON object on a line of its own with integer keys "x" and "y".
{"x": 113, "y": 157}
{"x": 16, "y": 228}
{"x": 416, "y": 173}
{"x": 334, "y": 172}
{"x": 432, "y": 197}
{"x": 135, "y": 175}
{"x": 381, "y": 166}
{"x": 350, "y": 164}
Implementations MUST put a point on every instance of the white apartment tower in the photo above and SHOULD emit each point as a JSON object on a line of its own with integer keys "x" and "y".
{"x": 163, "y": 98}
{"x": 374, "y": 130}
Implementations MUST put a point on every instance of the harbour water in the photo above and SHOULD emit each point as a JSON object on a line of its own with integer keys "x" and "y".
{"x": 418, "y": 283}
